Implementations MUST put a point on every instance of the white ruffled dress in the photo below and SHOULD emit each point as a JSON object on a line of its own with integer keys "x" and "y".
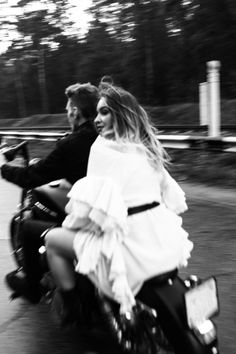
{"x": 119, "y": 252}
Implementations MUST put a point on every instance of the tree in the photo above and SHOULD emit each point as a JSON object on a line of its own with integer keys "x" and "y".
{"x": 39, "y": 30}
{"x": 139, "y": 26}
{"x": 157, "y": 49}
{"x": 205, "y": 30}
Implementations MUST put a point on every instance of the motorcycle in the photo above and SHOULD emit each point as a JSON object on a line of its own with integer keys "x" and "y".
{"x": 171, "y": 315}
{"x": 45, "y": 203}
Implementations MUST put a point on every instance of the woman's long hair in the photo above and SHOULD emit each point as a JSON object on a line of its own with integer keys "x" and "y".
{"x": 132, "y": 124}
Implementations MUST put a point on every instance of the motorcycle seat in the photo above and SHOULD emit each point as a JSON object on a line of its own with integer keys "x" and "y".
{"x": 51, "y": 197}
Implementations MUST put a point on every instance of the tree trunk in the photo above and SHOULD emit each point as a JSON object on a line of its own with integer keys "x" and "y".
{"x": 42, "y": 81}
{"x": 19, "y": 90}
{"x": 149, "y": 68}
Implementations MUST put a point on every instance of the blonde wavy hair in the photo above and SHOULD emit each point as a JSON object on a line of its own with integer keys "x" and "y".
{"x": 131, "y": 123}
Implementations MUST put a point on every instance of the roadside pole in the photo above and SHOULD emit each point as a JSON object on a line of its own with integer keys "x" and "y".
{"x": 213, "y": 68}
{"x": 203, "y": 103}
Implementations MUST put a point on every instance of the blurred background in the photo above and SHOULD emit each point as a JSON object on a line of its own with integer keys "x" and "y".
{"x": 157, "y": 49}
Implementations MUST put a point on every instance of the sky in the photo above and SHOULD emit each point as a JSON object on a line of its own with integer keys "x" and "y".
{"x": 78, "y": 15}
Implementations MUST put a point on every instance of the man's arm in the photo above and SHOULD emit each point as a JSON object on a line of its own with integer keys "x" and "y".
{"x": 68, "y": 160}
{"x": 37, "y": 174}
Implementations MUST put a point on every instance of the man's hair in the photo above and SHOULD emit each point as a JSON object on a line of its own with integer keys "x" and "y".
{"x": 85, "y": 97}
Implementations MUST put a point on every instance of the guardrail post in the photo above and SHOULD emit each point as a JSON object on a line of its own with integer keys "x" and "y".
{"x": 203, "y": 103}
{"x": 213, "y": 68}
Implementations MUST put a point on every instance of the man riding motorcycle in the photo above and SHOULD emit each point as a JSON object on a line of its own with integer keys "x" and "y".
{"x": 68, "y": 161}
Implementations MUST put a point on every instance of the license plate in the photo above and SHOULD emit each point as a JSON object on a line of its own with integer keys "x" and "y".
{"x": 201, "y": 302}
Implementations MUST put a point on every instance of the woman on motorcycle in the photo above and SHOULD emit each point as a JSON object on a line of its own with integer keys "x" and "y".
{"x": 123, "y": 225}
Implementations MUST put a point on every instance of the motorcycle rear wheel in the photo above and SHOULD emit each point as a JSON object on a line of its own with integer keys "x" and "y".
{"x": 141, "y": 335}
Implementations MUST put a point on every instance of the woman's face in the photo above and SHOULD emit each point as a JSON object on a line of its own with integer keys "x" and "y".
{"x": 103, "y": 121}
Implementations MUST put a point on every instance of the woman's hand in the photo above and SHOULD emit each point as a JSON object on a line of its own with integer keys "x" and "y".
{"x": 92, "y": 227}
{"x": 123, "y": 294}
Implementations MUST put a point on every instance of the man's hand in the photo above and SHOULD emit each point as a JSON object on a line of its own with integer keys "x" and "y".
{"x": 2, "y": 159}
{"x": 34, "y": 161}
{"x": 18, "y": 162}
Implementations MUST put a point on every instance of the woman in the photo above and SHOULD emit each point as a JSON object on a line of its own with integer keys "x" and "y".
{"x": 122, "y": 226}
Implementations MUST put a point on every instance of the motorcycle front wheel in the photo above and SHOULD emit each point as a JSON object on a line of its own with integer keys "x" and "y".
{"x": 16, "y": 240}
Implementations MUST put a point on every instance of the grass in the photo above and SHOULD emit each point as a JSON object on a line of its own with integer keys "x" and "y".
{"x": 36, "y": 120}
{"x": 215, "y": 168}
{"x": 178, "y": 114}
{"x": 188, "y": 113}
{"x": 208, "y": 167}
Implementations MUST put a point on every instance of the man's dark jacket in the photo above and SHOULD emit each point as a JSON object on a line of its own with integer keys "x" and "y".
{"x": 68, "y": 160}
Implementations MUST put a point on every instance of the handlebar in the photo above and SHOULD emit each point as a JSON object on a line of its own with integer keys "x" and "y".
{"x": 10, "y": 152}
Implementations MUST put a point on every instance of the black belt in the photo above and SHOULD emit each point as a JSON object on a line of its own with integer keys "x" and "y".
{"x": 141, "y": 208}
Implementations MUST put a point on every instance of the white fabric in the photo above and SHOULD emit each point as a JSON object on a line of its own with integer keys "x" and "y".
{"x": 97, "y": 199}
{"x": 96, "y": 207}
{"x": 118, "y": 252}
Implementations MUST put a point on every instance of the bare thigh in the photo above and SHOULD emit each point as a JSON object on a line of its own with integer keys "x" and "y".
{"x": 60, "y": 241}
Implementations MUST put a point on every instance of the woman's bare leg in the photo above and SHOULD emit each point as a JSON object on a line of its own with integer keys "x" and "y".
{"x": 60, "y": 254}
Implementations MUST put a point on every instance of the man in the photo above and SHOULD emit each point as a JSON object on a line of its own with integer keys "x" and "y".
{"x": 69, "y": 161}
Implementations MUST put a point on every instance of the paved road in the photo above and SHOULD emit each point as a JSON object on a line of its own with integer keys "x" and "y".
{"x": 210, "y": 221}
{"x": 9, "y": 199}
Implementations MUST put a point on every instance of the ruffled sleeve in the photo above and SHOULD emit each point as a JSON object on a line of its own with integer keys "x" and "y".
{"x": 172, "y": 194}
{"x": 97, "y": 200}
{"x": 97, "y": 211}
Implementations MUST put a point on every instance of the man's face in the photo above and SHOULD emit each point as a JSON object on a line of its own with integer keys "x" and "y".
{"x": 72, "y": 112}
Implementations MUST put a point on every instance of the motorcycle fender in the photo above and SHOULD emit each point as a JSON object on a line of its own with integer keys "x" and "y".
{"x": 169, "y": 302}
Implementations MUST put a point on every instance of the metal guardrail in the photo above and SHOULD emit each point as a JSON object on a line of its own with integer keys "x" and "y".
{"x": 227, "y": 144}
{"x": 166, "y": 128}
{"x": 224, "y": 144}
{"x": 32, "y": 135}
{"x": 47, "y": 128}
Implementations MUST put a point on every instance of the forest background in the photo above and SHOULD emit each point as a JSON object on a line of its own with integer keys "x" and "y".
{"x": 157, "y": 49}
